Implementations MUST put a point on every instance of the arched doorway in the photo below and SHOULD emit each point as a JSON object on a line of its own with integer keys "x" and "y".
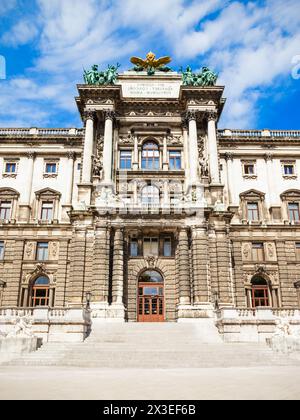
{"x": 150, "y": 301}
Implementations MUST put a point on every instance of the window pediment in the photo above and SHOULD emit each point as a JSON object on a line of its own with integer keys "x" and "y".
{"x": 47, "y": 193}
{"x": 291, "y": 195}
{"x": 252, "y": 195}
{"x": 8, "y": 193}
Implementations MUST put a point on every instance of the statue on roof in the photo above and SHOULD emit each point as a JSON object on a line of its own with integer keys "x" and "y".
{"x": 206, "y": 78}
{"x": 101, "y": 78}
{"x": 150, "y": 64}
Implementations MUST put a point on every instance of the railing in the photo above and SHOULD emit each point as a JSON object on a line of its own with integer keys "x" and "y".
{"x": 41, "y": 131}
{"x": 260, "y": 313}
{"x": 259, "y": 133}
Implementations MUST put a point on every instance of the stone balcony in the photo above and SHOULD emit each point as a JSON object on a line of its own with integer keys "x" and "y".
{"x": 50, "y": 324}
{"x": 254, "y": 325}
{"x": 275, "y": 135}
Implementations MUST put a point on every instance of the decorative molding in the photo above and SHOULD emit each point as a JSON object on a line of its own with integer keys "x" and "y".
{"x": 89, "y": 115}
{"x": 212, "y": 116}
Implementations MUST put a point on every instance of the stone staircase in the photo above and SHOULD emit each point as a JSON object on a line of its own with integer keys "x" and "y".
{"x": 161, "y": 345}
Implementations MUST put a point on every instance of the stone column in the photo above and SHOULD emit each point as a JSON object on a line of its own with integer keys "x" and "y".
{"x": 166, "y": 197}
{"x": 101, "y": 265}
{"x": 24, "y": 209}
{"x": 193, "y": 147}
{"x": 200, "y": 258}
{"x": 118, "y": 267}
{"x": 184, "y": 269}
{"x": 69, "y": 188}
{"x": 88, "y": 147}
{"x": 165, "y": 164}
{"x": 229, "y": 162}
{"x": 107, "y": 147}
{"x": 271, "y": 196}
{"x": 135, "y": 163}
{"x": 186, "y": 152}
{"x": 213, "y": 147}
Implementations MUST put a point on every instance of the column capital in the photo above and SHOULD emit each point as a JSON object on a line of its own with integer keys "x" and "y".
{"x": 89, "y": 115}
{"x": 191, "y": 115}
{"x": 71, "y": 155}
{"x": 268, "y": 157}
{"x": 228, "y": 156}
{"x": 212, "y": 116}
{"x": 109, "y": 115}
{"x": 30, "y": 155}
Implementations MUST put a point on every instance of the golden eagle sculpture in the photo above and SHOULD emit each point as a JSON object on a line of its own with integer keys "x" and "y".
{"x": 151, "y": 64}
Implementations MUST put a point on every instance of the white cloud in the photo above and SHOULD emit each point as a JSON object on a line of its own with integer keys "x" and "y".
{"x": 20, "y": 34}
{"x": 250, "y": 45}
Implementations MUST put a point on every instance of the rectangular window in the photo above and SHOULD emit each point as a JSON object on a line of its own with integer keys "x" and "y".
{"x": 2, "y": 248}
{"x": 5, "y": 210}
{"x": 252, "y": 210}
{"x": 294, "y": 212}
{"x": 249, "y": 169}
{"x": 258, "y": 251}
{"x": 10, "y": 167}
{"x": 42, "y": 251}
{"x": 150, "y": 246}
{"x": 167, "y": 247}
{"x": 289, "y": 169}
{"x": 47, "y": 210}
{"x": 51, "y": 168}
{"x": 134, "y": 247}
{"x": 125, "y": 159}
{"x": 175, "y": 160}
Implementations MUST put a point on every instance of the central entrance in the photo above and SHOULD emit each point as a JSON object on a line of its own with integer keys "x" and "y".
{"x": 150, "y": 297}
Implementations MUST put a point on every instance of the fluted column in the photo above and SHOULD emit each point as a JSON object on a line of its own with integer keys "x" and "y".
{"x": 200, "y": 265}
{"x": 165, "y": 155}
{"x": 184, "y": 268}
{"x": 118, "y": 267}
{"x": 213, "y": 147}
{"x": 193, "y": 147}
{"x": 107, "y": 147}
{"x": 135, "y": 163}
{"x": 24, "y": 207}
{"x": 88, "y": 147}
{"x": 69, "y": 193}
{"x": 230, "y": 184}
{"x": 186, "y": 152}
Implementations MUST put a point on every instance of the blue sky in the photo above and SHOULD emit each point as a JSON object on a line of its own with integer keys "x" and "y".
{"x": 253, "y": 45}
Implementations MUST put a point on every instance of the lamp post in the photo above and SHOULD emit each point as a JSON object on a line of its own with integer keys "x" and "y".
{"x": 88, "y": 296}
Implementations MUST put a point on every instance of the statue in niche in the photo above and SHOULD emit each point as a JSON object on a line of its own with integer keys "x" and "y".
{"x": 97, "y": 167}
{"x": 204, "y": 167}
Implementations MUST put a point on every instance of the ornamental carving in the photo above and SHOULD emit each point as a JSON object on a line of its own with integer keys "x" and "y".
{"x": 29, "y": 250}
{"x": 271, "y": 251}
{"x": 151, "y": 261}
{"x": 126, "y": 140}
{"x": 246, "y": 252}
{"x": 88, "y": 115}
{"x": 98, "y": 159}
{"x": 212, "y": 116}
{"x": 53, "y": 250}
{"x": 204, "y": 166}
{"x": 174, "y": 140}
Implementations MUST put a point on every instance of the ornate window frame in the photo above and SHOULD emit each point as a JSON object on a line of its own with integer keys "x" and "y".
{"x": 9, "y": 194}
{"x": 44, "y": 195}
{"x": 28, "y": 281}
{"x": 272, "y": 279}
{"x": 48, "y": 161}
{"x": 252, "y": 196}
{"x": 6, "y": 161}
{"x": 287, "y": 197}
{"x": 289, "y": 163}
{"x": 249, "y": 162}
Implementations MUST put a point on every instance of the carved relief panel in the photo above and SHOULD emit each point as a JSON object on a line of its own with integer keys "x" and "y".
{"x": 247, "y": 251}
{"x": 29, "y": 252}
{"x": 270, "y": 251}
{"x": 53, "y": 251}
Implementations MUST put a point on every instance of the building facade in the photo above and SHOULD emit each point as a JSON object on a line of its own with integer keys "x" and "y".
{"x": 150, "y": 213}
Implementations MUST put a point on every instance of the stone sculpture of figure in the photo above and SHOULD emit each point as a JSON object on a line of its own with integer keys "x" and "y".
{"x": 97, "y": 167}
{"x": 282, "y": 328}
{"x": 23, "y": 327}
{"x": 112, "y": 74}
{"x": 91, "y": 77}
{"x": 204, "y": 169}
{"x": 188, "y": 76}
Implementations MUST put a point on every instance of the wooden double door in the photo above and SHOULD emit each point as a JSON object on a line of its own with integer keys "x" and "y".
{"x": 150, "y": 302}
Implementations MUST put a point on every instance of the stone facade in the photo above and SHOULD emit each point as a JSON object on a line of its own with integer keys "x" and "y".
{"x": 150, "y": 185}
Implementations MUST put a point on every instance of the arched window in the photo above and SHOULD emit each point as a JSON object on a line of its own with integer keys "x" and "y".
{"x": 150, "y": 156}
{"x": 151, "y": 276}
{"x": 259, "y": 292}
{"x": 150, "y": 195}
{"x": 40, "y": 292}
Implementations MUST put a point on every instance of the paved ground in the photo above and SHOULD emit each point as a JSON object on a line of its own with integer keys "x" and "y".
{"x": 85, "y": 383}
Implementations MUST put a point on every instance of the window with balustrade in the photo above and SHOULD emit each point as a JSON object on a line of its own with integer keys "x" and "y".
{"x": 51, "y": 168}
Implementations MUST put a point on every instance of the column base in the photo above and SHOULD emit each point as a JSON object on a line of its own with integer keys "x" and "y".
{"x": 24, "y": 212}
{"x": 103, "y": 312}
{"x": 84, "y": 193}
{"x": 194, "y": 312}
